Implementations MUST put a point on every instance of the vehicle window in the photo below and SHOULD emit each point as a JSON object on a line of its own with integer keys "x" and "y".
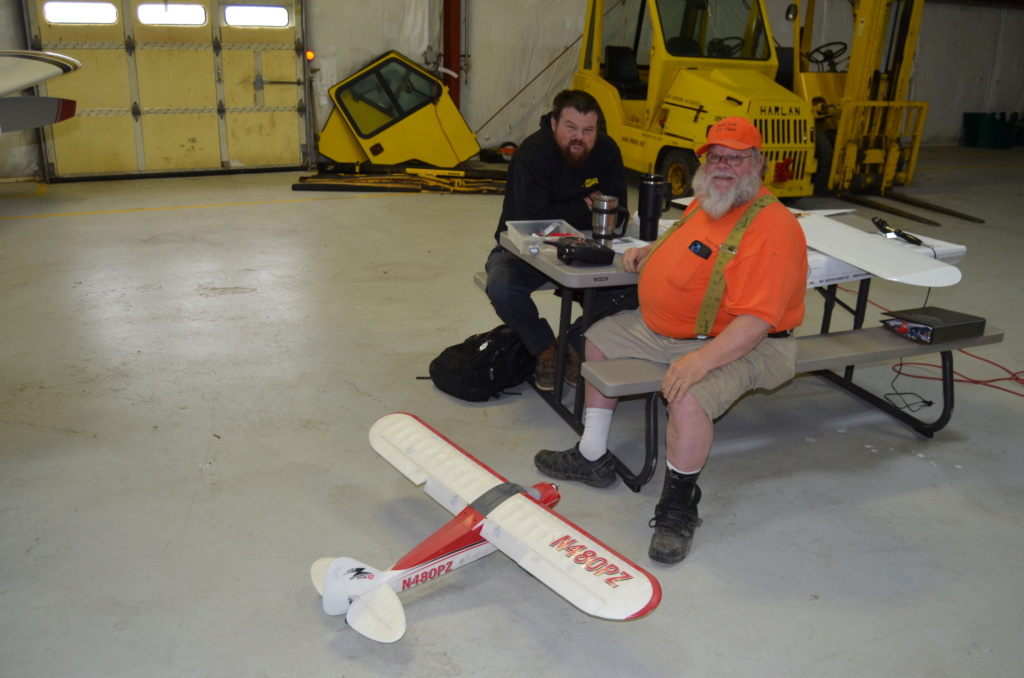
{"x": 719, "y": 29}
{"x": 385, "y": 95}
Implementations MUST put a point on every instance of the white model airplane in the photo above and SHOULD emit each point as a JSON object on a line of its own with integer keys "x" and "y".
{"x": 490, "y": 514}
{"x": 20, "y": 69}
{"x": 883, "y": 257}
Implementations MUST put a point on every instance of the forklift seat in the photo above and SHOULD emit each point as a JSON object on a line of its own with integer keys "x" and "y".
{"x": 680, "y": 46}
{"x": 620, "y": 70}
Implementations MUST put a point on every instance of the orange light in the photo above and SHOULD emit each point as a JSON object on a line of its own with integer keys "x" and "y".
{"x": 310, "y": 55}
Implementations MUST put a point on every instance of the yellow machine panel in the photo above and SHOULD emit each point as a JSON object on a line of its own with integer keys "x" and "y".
{"x": 393, "y": 112}
{"x": 664, "y": 71}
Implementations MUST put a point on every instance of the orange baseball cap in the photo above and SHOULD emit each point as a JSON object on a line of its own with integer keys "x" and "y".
{"x": 735, "y": 132}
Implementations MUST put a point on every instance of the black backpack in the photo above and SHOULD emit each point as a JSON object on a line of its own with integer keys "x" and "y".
{"x": 483, "y": 365}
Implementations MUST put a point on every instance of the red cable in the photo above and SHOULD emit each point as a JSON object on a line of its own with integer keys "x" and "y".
{"x": 1014, "y": 377}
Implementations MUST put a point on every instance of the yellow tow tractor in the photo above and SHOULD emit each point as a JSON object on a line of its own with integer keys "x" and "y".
{"x": 664, "y": 71}
{"x": 394, "y": 127}
{"x": 868, "y": 134}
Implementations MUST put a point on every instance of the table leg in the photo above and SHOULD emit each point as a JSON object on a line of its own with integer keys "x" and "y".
{"x": 563, "y": 344}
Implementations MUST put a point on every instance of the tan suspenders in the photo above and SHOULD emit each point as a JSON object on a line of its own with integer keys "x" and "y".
{"x": 716, "y": 284}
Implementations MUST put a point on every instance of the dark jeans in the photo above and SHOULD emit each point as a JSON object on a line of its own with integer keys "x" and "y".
{"x": 510, "y": 281}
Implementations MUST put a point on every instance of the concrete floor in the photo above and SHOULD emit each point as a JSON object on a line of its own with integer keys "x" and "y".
{"x": 189, "y": 367}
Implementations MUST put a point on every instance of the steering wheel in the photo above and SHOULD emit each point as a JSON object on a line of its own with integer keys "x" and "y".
{"x": 725, "y": 47}
{"x": 827, "y": 54}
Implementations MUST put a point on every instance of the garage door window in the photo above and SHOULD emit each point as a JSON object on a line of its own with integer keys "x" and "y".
{"x": 80, "y": 13}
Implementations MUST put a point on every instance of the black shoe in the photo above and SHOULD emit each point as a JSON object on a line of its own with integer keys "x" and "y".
{"x": 672, "y": 538}
{"x": 675, "y": 520}
{"x": 571, "y": 465}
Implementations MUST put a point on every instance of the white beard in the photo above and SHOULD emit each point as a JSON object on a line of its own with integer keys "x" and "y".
{"x": 716, "y": 204}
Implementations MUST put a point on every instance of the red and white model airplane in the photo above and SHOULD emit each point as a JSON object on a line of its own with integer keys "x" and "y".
{"x": 21, "y": 69}
{"x": 490, "y": 514}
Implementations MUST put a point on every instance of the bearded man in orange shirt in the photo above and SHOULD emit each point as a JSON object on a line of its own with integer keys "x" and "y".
{"x": 720, "y": 294}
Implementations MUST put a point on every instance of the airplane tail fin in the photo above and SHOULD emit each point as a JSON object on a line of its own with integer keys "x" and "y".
{"x": 361, "y": 593}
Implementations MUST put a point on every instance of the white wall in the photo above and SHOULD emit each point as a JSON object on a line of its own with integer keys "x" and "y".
{"x": 970, "y": 58}
{"x": 19, "y": 154}
{"x": 521, "y": 54}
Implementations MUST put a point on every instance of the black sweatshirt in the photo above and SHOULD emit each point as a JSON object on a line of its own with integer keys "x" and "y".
{"x": 541, "y": 186}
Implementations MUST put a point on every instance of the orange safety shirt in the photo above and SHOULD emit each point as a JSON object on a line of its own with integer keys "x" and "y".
{"x": 766, "y": 278}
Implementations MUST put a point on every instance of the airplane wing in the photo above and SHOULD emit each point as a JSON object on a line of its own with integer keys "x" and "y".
{"x": 453, "y": 477}
{"x": 879, "y": 256}
{"x": 574, "y": 564}
{"x": 20, "y": 69}
{"x": 571, "y": 562}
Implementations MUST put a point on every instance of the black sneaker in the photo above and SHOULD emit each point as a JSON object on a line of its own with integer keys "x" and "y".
{"x": 571, "y": 465}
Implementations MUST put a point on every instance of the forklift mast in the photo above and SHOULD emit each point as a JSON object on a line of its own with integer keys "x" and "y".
{"x": 868, "y": 133}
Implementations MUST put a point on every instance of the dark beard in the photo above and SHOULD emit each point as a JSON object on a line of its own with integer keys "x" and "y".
{"x": 575, "y": 161}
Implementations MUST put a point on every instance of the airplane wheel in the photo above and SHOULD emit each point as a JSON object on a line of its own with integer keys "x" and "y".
{"x": 678, "y": 168}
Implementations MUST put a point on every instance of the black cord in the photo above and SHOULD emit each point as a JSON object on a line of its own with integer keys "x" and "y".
{"x": 900, "y": 400}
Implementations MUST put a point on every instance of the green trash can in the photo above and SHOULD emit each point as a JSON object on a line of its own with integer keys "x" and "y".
{"x": 972, "y": 122}
{"x": 995, "y": 131}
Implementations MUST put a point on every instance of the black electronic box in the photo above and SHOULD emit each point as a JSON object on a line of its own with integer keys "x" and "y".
{"x": 933, "y": 325}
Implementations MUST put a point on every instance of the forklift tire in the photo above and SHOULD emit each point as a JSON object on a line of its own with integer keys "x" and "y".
{"x": 678, "y": 167}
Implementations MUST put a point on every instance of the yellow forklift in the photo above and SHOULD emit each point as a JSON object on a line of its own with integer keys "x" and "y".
{"x": 664, "y": 71}
{"x": 868, "y": 134}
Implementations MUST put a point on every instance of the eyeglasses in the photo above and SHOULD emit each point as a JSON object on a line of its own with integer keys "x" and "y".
{"x": 732, "y": 160}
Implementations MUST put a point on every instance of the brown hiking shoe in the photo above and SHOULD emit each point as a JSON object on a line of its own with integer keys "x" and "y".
{"x": 572, "y": 367}
{"x": 544, "y": 376}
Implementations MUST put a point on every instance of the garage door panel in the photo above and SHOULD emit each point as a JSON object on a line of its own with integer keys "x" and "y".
{"x": 182, "y": 141}
{"x": 261, "y": 35}
{"x": 175, "y": 79}
{"x": 239, "y": 76}
{"x": 174, "y": 34}
{"x": 88, "y": 145}
{"x": 75, "y": 33}
{"x": 90, "y": 91}
{"x": 276, "y": 136}
{"x": 279, "y": 67}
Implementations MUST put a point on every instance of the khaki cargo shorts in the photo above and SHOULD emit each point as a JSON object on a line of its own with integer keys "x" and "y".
{"x": 771, "y": 364}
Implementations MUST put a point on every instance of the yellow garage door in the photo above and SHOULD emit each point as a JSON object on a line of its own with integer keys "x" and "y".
{"x": 176, "y": 87}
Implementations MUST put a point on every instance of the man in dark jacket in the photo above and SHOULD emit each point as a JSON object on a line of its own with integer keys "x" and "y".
{"x": 554, "y": 174}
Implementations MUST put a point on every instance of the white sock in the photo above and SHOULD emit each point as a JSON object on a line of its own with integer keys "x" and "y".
{"x": 596, "y": 424}
{"x": 684, "y": 473}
